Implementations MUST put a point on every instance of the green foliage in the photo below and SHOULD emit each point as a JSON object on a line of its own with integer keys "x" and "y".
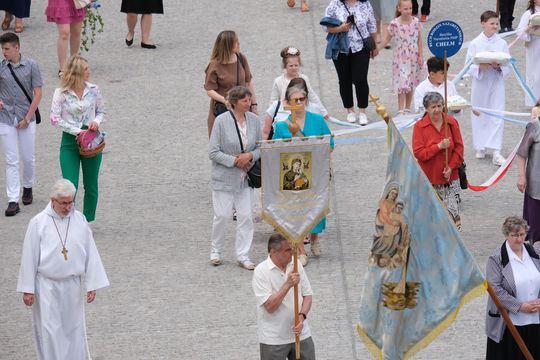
{"x": 92, "y": 25}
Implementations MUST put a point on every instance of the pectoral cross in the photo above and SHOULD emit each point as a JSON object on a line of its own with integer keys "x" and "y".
{"x": 64, "y": 252}
{"x": 293, "y": 127}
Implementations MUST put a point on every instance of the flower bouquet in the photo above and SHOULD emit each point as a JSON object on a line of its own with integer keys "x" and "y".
{"x": 92, "y": 25}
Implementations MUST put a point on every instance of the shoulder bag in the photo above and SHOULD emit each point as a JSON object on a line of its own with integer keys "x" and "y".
{"x": 254, "y": 173}
{"x": 220, "y": 108}
{"x": 38, "y": 115}
{"x": 369, "y": 43}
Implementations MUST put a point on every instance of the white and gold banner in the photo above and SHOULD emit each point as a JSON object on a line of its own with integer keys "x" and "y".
{"x": 295, "y": 184}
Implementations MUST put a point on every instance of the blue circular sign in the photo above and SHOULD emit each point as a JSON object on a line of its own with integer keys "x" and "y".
{"x": 445, "y": 35}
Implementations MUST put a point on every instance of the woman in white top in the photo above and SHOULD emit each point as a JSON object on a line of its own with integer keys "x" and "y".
{"x": 290, "y": 57}
{"x": 513, "y": 271}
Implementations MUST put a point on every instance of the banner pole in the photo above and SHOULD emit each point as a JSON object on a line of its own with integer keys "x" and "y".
{"x": 296, "y": 304}
{"x": 445, "y": 110}
{"x": 509, "y": 324}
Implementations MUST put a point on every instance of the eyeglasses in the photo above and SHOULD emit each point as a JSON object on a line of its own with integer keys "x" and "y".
{"x": 63, "y": 203}
{"x": 302, "y": 99}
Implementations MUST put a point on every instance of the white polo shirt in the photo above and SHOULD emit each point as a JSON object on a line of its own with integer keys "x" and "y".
{"x": 426, "y": 86}
{"x": 276, "y": 328}
{"x": 527, "y": 279}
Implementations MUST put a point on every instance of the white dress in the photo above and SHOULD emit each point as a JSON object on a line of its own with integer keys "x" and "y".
{"x": 487, "y": 92}
{"x": 58, "y": 310}
{"x": 532, "y": 55}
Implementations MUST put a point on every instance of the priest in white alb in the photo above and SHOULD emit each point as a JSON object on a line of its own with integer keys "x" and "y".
{"x": 58, "y": 251}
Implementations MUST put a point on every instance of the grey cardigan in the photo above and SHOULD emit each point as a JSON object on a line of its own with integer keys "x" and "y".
{"x": 224, "y": 146}
{"x": 501, "y": 278}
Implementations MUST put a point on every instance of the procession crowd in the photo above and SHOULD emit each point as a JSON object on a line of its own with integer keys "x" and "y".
{"x": 357, "y": 30}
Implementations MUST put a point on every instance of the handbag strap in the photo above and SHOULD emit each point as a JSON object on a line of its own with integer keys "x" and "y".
{"x": 239, "y": 62}
{"x": 238, "y": 131}
{"x": 354, "y": 22}
{"x": 275, "y": 112}
{"x": 19, "y": 83}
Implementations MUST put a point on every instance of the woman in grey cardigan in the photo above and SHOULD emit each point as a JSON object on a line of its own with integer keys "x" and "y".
{"x": 229, "y": 174}
{"x": 513, "y": 270}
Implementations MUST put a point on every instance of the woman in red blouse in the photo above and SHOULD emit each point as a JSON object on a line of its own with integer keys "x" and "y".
{"x": 429, "y": 143}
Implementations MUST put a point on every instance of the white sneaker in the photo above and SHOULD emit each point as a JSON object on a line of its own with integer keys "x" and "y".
{"x": 498, "y": 159}
{"x": 362, "y": 119}
{"x": 480, "y": 154}
{"x": 351, "y": 117}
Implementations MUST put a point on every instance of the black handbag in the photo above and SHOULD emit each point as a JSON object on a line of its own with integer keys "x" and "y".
{"x": 369, "y": 43}
{"x": 271, "y": 134}
{"x": 220, "y": 108}
{"x": 38, "y": 115}
{"x": 463, "y": 176}
{"x": 254, "y": 173}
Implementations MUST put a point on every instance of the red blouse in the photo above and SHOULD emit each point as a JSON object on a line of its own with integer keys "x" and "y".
{"x": 426, "y": 150}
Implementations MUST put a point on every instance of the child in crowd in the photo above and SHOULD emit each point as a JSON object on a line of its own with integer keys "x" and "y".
{"x": 488, "y": 89}
{"x": 290, "y": 57}
{"x": 408, "y": 59}
{"x": 434, "y": 82}
{"x": 531, "y": 36}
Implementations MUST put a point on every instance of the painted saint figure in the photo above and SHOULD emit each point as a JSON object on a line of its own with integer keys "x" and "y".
{"x": 390, "y": 241}
{"x": 295, "y": 179}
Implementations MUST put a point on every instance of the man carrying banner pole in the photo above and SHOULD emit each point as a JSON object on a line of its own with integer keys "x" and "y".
{"x": 281, "y": 336}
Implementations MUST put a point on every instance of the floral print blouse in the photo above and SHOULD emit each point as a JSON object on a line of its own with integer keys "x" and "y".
{"x": 71, "y": 113}
{"x": 363, "y": 16}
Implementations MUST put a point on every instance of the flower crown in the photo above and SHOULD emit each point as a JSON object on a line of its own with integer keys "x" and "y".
{"x": 292, "y": 51}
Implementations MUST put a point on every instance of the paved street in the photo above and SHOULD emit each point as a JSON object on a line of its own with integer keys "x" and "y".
{"x": 154, "y": 215}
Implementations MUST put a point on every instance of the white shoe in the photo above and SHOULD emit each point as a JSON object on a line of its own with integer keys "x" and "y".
{"x": 351, "y": 117}
{"x": 362, "y": 119}
{"x": 498, "y": 159}
{"x": 480, "y": 154}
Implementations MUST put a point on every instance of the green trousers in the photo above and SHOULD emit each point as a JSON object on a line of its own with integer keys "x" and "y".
{"x": 70, "y": 162}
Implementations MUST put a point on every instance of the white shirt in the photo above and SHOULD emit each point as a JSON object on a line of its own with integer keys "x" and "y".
{"x": 276, "y": 328}
{"x": 527, "y": 279}
{"x": 427, "y": 86}
{"x": 280, "y": 88}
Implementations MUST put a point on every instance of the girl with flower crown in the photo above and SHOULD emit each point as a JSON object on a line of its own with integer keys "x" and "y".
{"x": 290, "y": 57}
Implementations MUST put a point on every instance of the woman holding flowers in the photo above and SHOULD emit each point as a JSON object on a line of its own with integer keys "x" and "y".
{"x": 69, "y": 21}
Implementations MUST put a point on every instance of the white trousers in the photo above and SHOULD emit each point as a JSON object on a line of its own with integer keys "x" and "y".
{"x": 224, "y": 202}
{"x": 15, "y": 140}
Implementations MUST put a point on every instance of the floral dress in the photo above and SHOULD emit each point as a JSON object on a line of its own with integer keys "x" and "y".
{"x": 406, "y": 72}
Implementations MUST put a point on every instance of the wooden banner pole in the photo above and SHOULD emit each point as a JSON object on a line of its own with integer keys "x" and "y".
{"x": 445, "y": 110}
{"x": 296, "y": 302}
{"x": 498, "y": 7}
{"x": 509, "y": 324}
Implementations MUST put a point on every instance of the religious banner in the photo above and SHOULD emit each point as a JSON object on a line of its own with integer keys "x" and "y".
{"x": 420, "y": 273}
{"x": 295, "y": 184}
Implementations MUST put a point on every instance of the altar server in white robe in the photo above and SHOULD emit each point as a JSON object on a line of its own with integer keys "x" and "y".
{"x": 58, "y": 250}
{"x": 488, "y": 89}
{"x": 528, "y": 33}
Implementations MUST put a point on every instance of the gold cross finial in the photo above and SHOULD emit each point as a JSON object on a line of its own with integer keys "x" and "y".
{"x": 381, "y": 110}
{"x": 293, "y": 126}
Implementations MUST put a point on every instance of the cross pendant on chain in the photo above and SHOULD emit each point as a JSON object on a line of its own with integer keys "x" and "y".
{"x": 64, "y": 252}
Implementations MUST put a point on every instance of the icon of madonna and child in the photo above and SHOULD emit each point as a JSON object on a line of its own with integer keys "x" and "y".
{"x": 390, "y": 249}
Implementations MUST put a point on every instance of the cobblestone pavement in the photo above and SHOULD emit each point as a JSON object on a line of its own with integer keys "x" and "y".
{"x": 154, "y": 216}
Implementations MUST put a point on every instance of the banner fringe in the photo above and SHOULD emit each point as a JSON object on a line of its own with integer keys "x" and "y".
{"x": 377, "y": 352}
